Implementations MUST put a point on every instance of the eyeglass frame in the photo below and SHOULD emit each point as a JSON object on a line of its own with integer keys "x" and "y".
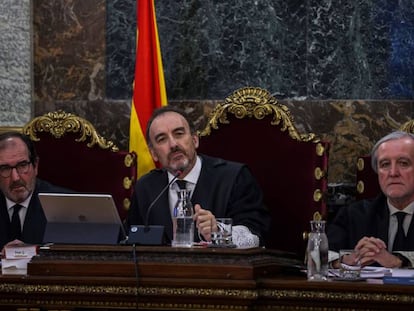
{"x": 22, "y": 168}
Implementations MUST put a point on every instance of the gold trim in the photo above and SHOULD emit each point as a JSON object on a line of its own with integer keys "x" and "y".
{"x": 408, "y": 126}
{"x": 317, "y": 195}
{"x": 25, "y": 290}
{"x": 126, "y": 290}
{"x": 129, "y": 159}
{"x": 258, "y": 103}
{"x": 58, "y": 123}
{"x": 5, "y": 129}
{"x": 126, "y": 203}
{"x": 354, "y": 297}
{"x": 317, "y": 216}
{"x": 360, "y": 186}
{"x": 360, "y": 164}
{"x": 127, "y": 182}
{"x": 319, "y": 173}
{"x": 320, "y": 149}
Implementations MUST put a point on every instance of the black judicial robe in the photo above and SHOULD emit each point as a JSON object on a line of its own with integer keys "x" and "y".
{"x": 226, "y": 188}
{"x": 363, "y": 218}
{"x": 35, "y": 221}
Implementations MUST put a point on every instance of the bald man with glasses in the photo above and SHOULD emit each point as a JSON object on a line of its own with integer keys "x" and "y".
{"x": 22, "y": 219}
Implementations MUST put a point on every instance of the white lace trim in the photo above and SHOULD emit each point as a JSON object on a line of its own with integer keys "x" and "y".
{"x": 243, "y": 238}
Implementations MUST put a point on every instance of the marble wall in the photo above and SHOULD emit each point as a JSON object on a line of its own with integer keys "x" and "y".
{"x": 15, "y": 62}
{"x": 344, "y": 68}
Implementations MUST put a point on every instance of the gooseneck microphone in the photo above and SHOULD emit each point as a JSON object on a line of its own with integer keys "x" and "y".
{"x": 150, "y": 234}
{"x": 147, "y": 215}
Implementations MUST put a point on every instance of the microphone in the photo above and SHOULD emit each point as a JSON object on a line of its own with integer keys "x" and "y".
{"x": 178, "y": 173}
{"x": 150, "y": 234}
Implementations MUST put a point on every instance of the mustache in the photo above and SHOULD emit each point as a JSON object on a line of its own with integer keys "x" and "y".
{"x": 175, "y": 149}
{"x": 18, "y": 184}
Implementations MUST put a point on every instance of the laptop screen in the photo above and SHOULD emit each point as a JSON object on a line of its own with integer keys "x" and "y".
{"x": 89, "y": 211}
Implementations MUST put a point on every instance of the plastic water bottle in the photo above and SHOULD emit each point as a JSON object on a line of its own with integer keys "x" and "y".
{"x": 317, "y": 252}
{"x": 183, "y": 220}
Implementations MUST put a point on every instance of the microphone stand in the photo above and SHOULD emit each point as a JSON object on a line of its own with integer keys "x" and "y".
{"x": 150, "y": 234}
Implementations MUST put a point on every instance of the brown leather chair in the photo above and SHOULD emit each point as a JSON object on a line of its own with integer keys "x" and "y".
{"x": 73, "y": 155}
{"x": 367, "y": 185}
{"x": 250, "y": 126}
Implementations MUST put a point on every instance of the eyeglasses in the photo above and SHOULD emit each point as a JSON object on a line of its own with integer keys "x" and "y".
{"x": 21, "y": 168}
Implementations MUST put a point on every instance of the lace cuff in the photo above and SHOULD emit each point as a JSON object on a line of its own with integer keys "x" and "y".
{"x": 243, "y": 238}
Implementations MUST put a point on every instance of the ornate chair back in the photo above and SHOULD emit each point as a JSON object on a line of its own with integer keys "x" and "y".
{"x": 366, "y": 179}
{"x": 251, "y": 127}
{"x": 72, "y": 154}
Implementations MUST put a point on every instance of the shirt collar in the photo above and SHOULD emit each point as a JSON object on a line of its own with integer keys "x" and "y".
{"x": 409, "y": 209}
{"x": 25, "y": 203}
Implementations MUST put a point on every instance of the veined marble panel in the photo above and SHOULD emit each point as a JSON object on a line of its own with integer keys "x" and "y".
{"x": 120, "y": 47}
{"x": 69, "y": 50}
{"x": 351, "y": 126}
{"x": 344, "y": 68}
{"x": 15, "y": 62}
{"x": 357, "y": 49}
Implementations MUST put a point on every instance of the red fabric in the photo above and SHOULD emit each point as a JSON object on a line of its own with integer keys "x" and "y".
{"x": 72, "y": 164}
{"x": 284, "y": 169}
{"x": 369, "y": 178}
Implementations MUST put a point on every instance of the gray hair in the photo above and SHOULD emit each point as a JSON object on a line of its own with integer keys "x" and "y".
{"x": 392, "y": 136}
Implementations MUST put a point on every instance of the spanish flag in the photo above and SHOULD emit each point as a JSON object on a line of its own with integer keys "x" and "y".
{"x": 149, "y": 86}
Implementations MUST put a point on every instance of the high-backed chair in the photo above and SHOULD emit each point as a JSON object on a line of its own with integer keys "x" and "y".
{"x": 250, "y": 126}
{"x": 73, "y": 155}
{"x": 366, "y": 179}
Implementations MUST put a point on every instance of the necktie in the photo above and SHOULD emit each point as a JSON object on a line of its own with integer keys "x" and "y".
{"x": 16, "y": 227}
{"x": 399, "y": 241}
{"x": 182, "y": 184}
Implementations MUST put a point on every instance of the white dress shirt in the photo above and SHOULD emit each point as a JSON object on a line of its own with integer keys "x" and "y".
{"x": 241, "y": 235}
{"x": 22, "y": 211}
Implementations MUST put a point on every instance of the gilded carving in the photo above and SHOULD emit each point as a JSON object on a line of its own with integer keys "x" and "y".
{"x": 354, "y": 297}
{"x": 102, "y": 291}
{"x": 320, "y": 150}
{"x": 317, "y": 195}
{"x": 4, "y": 129}
{"x": 319, "y": 173}
{"x": 258, "y": 103}
{"x": 360, "y": 164}
{"x": 317, "y": 216}
{"x": 126, "y": 203}
{"x": 408, "y": 126}
{"x": 360, "y": 186}
{"x": 127, "y": 182}
{"x": 58, "y": 123}
{"x": 129, "y": 159}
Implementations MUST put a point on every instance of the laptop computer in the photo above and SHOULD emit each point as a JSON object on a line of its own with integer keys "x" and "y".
{"x": 81, "y": 219}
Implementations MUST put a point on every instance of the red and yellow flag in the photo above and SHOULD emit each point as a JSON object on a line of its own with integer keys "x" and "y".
{"x": 149, "y": 86}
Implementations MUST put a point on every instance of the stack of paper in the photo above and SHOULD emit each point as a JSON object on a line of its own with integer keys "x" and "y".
{"x": 17, "y": 257}
{"x": 400, "y": 276}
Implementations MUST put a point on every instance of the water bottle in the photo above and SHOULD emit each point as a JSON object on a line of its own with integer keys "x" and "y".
{"x": 183, "y": 220}
{"x": 317, "y": 252}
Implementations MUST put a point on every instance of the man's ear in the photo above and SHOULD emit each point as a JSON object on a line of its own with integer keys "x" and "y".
{"x": 196, "y": 140}
{"x": 153, "y": 154}
{"x": 36, "y": 165}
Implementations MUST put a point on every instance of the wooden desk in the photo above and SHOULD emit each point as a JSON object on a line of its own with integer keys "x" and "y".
{"x": 96, "y": 277}
{"x": 332, "y": 295}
